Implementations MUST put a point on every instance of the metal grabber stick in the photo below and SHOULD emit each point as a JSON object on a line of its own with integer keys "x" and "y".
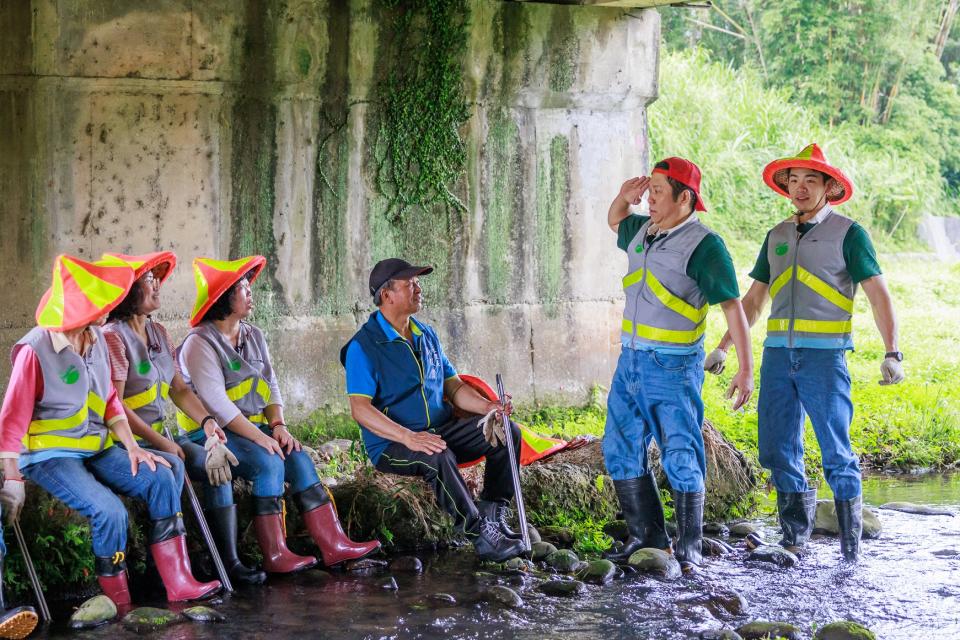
{"x": 204, "y": 528}
{"x": 514, "y": 467}
{"x": 32, "y": 572}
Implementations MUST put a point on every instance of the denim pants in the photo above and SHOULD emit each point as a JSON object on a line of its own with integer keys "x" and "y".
{"x": 176, "y": 464}
{"x": 90, "y": 486}
{"x": 196, "y": 458}
{"x": 656, "y": 396}
{"x": 795, "y": 383}
{"x": 267, "y": 471}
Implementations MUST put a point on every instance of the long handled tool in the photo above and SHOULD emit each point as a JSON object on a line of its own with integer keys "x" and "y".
{"x": 32, "y": 572}
{"x": 204, "y": 528}
{"x": 514, "y": 468}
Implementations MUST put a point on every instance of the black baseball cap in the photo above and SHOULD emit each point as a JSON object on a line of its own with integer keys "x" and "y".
{"x": 393, "y": 269}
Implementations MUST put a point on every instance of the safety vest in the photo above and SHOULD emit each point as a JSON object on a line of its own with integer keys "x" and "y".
{"x": 811, "y": 289}
{"x": 69, "y": 416}
{"x": 664, "y": 307}
{"x": 246, "y": 373}
{"x": 150, "y": 372}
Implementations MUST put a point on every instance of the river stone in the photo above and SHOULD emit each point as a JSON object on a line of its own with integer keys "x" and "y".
{"x": 540, "y": 550}
{"x": 94, "y": 612}
{"x": 563, "y": 588}
{"x": 560, "y": 536}
{"x": 655, "y": 561}
{"x": 533, "y": 534}
{"x": 409, "y": 564}
{"x": 774, "y": 554}
{"x": 714, "y": 547}
{"x": 563, "y": 560}
{"x": 518, "y": 564}
{"x": 844, "y": 630}
{"x": 364, "y": 565}
{"x": 761, "y": 630}
{"x": 720, "y": 634}
{"x": 388, "y": 584}
{"x": 917, "y": 509}
{"x": 501, "y": 595}
{"x": 442, "y": 599}
{"x": 753, "y": 540}
{"x": 716, "y": 529}
{"x": 742, "y": 529}
{"x": 200, "y": 613}
{"x": 720, "y": 601}
{"x": 147, "y": 619}
{"x": 598, "y": 572}
{"x": 825, "y": 521}
{"x": 617, "y": 529}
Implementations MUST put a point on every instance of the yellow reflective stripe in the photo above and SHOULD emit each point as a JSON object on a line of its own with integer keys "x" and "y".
{"x": 185, "y": 422}
{"x": 664, "y": 335}
{"x": 239, "y": 391}
{"x": 824, "y": 290}
{"x": 86, "y": 443}
{"x": 258, "y": 418}
{"x": 674, "y": 303}
{"x": 632, "y": 278}
{"x": 96, "y": 404}
{"x": 157, "y": 426}
{"x": 263, "y": 390}
{"x": 59, "y": 424}
{"x": 164, "y": 390}
{"x": 810, "y": 326}
{"x": 141, "y": 399}
{"x": 781, "y": 280}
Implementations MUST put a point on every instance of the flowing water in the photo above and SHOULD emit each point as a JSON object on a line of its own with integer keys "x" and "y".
{"x": 906, "y": 586}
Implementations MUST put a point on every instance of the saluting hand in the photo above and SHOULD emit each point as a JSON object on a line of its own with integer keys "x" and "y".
{"x": 633, "y": 189}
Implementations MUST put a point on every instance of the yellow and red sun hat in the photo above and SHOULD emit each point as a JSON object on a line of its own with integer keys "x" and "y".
{"x": 215, "y": 277}
{"x": 777, "y": 173}
{"x": 161, "y": 262}
{"x": 82, "y": 292}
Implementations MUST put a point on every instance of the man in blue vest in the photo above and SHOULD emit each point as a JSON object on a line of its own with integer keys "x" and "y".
{"x": 811, "y": 265}
{"x": 403, "y": 391}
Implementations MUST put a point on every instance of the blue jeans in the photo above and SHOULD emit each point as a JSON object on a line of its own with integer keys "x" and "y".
{"x": 267, "y": 471}
{"x": 176, "y": 464}
{"x": 89, "y": 487}
{"x": 196, "y": 457}
{"x": 795, "y": 383}
{"x": 656, "y": 396}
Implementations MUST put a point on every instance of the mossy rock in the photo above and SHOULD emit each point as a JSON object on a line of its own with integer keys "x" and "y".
{"x": 540, "y": 550}
{"x": 94, "y": 612}
{"x": 657, "y": 562}
{"x": 763, "y": 630}
{"x": 825, "y": 521}
{"x": 148, "y": 619}
{"x": 844, "y": 630}
{"x": 563, "y": 560}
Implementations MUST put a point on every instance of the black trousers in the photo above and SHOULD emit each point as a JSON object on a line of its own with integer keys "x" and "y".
{"x": 465, "y": 443}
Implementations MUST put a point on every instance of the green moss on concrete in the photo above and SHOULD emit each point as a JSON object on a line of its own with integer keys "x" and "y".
{"x": 304, "y": 61}
{"x": 564, "y": 51}
{"x": 553, "y": 192}
{"x": 502, "y": 159}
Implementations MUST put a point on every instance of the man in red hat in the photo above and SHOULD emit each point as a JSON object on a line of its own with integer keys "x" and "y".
{"x": 811, "y": 265}
{"x": 678, "y": 267}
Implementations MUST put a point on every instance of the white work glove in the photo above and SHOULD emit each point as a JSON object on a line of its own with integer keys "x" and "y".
{"x": 715, "y": 362}
{"x": 492, "y": 427}
{"x": 12, "y": 495}
{"x": 892, "y": 371}
{"x": 218, "y": 461}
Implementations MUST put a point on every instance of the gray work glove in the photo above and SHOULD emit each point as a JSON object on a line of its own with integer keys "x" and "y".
{"x": 12, "y": 495}
{"x": 892, "y": 371}
{"x": 218, "y": 462}
{"x": 716, "y": 362}
{"x": 492, "y": 426}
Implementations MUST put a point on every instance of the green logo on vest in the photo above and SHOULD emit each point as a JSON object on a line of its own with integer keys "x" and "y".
{"x": 639, "y": 248}
{"x": 782, "y": 249}
{"x": 235, "y": 365}
{"x": 71, "y": 375}
{"x": 143, "y": 368}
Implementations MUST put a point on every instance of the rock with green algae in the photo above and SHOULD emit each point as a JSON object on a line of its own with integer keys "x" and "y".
{"x": 763, "y": 630}
{"x": 148, "y": 619}
{"x": 844, "y": 630}
{"x": 563, "y": 560}
{"x": 560, "y": 536}
{"x": 501, "y": 595}
{"x": 617, "y": 529}
{"x": 540, "y": 550}
{"x": 201, "y": 613}
{"x": 825, "y": 521}
{"x": 94, "y": 612}
{"x": 598, "y": 572}
{"x": 742, "y": 529}
{"x": 563, "y": 588}
{"x": 657, "y": 562}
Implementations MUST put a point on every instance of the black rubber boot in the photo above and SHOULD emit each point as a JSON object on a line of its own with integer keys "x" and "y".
{"x": 490, "y": 543}
{"x": 643, "y": 513}
{"x": 223, "y": 525}
{"x": 688, "y": 508}
{"x": 17, "y": 622}
{"x": 850, "y": 519}
{"x": 797, "y": 512}
{"x": 498, "y": 512}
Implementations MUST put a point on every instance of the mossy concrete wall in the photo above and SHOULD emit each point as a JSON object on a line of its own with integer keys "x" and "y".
{"x": 227, "y": 127}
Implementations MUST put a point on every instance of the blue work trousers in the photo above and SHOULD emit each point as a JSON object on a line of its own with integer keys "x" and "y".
{"x": 795, "y": 383}
{"x": 267, "y": 471}
{"x": 90, "y": 486}
{"x": 656, "y": 396}
{"x": 196, "y": 458}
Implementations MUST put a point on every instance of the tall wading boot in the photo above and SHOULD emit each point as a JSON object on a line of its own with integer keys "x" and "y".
{"x": 324, "y": 527}
{"x": 18, "y": 622}
{"x": 223, "y": 522}
{"x": 498, "y": 512}
{"x": 688, "y": 508}
{"x": 797, "y": 512}
{"x": 643, "y": 513}
{"x": 112, "y": 576}
{"x": 168, "y": 546}
{"x": 268, "y": 525}
{"x": 850, "y": 519}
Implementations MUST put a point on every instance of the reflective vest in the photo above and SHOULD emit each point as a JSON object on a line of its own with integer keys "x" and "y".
{"x": 149, "y": 374}
{"x": 812, "y": 291}
{"x": 69, "y": 416}
{"x": 246, "y": 373}
{"x": 664, "y": 307}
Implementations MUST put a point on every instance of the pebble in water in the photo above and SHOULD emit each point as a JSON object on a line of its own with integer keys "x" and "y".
{"x": 762, "y": 630}
{"x": 201, "y": 613}
{"x": 563, "y": 588}
{"x": 94, "y": 612}
{"x": 844, "y": 630}
{"x": 147, "y": 619}
{"x": 502, "y": 595}
{"x": 657, "y": 562}
{"x": 774, "y": 554}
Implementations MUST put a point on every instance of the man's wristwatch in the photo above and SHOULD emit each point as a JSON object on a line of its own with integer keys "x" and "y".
{"x": 896, "y": 355}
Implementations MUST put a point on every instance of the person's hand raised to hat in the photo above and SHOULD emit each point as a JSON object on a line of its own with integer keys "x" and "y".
{"x": 140, "y": 455}
{"x": 633, "y": 189}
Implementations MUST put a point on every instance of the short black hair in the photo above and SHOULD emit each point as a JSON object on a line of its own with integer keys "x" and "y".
{"x": 223, "y": 307}
{"x": 825, "y": 176}
{"x": 130, "y": 305}
{"x": 676, "y": 186}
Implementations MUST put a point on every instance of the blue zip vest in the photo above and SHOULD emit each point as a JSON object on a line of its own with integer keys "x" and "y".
{"x": 409, "y": 379}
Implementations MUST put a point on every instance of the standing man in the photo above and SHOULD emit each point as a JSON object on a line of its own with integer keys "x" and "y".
{"x": 810, "y": 265}
{"x": 677, "y": 268}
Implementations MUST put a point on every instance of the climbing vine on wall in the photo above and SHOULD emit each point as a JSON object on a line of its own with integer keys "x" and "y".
{"x": 419, "y": 153}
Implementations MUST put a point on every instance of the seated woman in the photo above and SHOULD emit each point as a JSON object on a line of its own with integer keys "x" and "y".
{"x": 59, "y": 419}
{"x": 145, "y": 372}
{"x": 227, "y": 362}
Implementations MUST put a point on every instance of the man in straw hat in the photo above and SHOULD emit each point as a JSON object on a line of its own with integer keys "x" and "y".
{"x": 678, "y": 267}
{"x": 811, "y": 265}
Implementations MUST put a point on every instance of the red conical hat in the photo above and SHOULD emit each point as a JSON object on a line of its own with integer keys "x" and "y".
{"x": 166, "y": 260}
{"x": 776, "y": 173}
{"x": 215, "y": 277}
{"x": 82, "y": 292}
